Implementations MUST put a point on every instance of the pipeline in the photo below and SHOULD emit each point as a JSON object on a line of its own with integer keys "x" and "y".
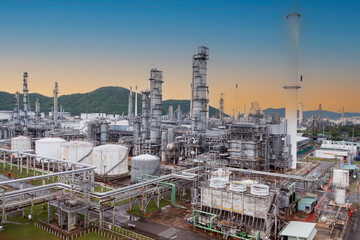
{"x": 209, "y": 227}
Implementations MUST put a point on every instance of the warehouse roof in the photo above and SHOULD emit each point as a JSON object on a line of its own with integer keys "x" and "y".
{"x": 298, "y": 229}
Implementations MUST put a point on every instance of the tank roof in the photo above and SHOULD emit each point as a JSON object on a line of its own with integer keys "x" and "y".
{"x": 145, "y": 157}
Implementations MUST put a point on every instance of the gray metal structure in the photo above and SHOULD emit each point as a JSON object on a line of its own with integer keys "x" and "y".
{"x": 155, "y": 105}
{"x": 26, "y": 103}
{"x": 56, "y": 92}
{"x": 199, "y": 91}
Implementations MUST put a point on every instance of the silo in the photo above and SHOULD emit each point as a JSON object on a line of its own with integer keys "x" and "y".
{"x": 144, "y": 164}
{"x": 110, "y": 159}
{"x": 49, "y": 147}
{"x": 20, "y": 143}
{"x": 77, "y": 151}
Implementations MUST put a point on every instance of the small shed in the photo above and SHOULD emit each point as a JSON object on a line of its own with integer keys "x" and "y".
{"x": 353, "y": 169}
{"x": 308, "y": 203}
{"x": 298, "y": 231}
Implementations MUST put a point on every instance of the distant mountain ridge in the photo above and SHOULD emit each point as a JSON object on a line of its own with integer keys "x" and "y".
{"x": 110, "y": 100}
{"x": 309, "y": 114}
{"x": 114, "y": 100}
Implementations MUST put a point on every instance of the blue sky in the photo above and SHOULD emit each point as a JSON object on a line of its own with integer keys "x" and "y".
{"x": 87, "y": 44}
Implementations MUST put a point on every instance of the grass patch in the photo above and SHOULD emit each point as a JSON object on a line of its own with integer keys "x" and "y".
{"x": 321, "y": 159}
{"x": 151, "y": 206}
{"x": 105, "y": 189}
{"x": 92, "y": 236}
{"x": 15, "y": 174}
{"x": 28, "y": 230}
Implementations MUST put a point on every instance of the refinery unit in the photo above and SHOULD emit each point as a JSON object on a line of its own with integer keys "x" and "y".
{"x": 228, "y": 177}
{"x": 241, "y": 178}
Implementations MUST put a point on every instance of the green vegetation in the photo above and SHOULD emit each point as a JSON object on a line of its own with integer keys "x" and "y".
{"x": 15, "y": 174}
{"x": 91, "y": 236}
{"x": 151, "y": 206}
{"x": 101, "y": 189}
{"x": 25, "y": 228}
{"x": 336, "y": 132}
{"x": 111, "y": 100}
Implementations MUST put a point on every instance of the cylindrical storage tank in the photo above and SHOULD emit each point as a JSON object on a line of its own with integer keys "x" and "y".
{"x": 260, "y": 190}
{"x": 217, "y": 182}
{"x": 49, "y": 147}
{"x": 20, "y": 143}
{"x": 170, "y": 135}
{"x": 237, "y": 186}
{"x": 110, "y": 159}
{"x": 144, "y": 164}
{"x": 340, "y": 196}
{"x": 77, "y": 151}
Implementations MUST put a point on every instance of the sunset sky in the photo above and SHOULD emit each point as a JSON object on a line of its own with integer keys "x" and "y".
{"x": 84, "y": 45}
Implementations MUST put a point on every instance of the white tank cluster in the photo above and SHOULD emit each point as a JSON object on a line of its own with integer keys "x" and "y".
{"x": 110, "y": 159}
{"x": 49, "y": 147}
{"x": 77, "y": 151}
{"x": 20, "y": 143}
{"x": 143, "y": 164}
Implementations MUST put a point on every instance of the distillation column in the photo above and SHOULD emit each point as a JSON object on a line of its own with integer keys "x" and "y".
{"x": 292, "y": 86}
{"x": 26, "y": 102}
{"x": 130, "y": 106}
{"x": 56, "y": 92}
{"x": 199, "y": 91}
{"x": 37, "y": 110}
{"x": 145, "y": 115}
{"x": 155, "y": 105}
{"x": 16, "y": 114}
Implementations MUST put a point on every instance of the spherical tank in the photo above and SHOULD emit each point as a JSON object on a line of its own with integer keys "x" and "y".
{"x": 77, "y": 151}
{"x": 144, "y": 164}
{"x": 110, "y": 159}
{"x": 49, "y": 147}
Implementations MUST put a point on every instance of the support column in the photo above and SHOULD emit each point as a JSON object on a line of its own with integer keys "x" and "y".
{"x": 4, "y": 160}
{"x": 49, "y": 213}
{"x": 11, "y": 160}
{"x": 27, "y": 165}
{"x": 113, "y": 213}
{"x": 34, "y": 165}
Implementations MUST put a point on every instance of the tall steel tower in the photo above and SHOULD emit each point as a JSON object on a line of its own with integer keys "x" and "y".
{"x": 292, "y": 86}
{"x": 199, "y": 91}
{"x": 56, "y": 92}
{"x": 155, "y": 105}
{"x": 25, "y": 102}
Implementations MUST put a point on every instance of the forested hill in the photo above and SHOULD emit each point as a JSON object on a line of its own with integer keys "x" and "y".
{"x": 111, "y": 100}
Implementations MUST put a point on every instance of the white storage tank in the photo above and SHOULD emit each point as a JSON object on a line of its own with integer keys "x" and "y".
{"x": 144, "y": 164}
{"x": 20, "y": 143}
{"x": 340, "y": 196}
{"x": 110, "y": 159}
{"x": 49, "y": 147}
{"x": 77, "y": 151}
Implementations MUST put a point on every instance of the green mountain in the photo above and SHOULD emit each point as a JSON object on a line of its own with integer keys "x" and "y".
{"x": 111, "y": 100}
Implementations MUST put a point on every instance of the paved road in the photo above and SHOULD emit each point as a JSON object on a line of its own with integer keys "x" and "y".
{"x": 157, "y": 230}
{"x": 354, "y": 233}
